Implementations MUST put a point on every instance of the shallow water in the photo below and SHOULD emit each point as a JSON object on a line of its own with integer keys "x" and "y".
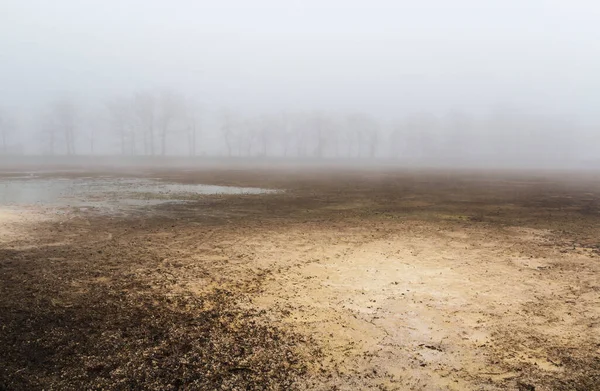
{"x": 90, "y": 191}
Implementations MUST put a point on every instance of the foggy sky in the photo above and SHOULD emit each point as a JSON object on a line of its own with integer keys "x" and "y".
{"x": 389, "y": 58}
{"x": 380, "y": 56}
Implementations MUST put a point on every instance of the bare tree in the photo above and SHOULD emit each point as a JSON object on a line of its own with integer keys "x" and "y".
{"x": 228, "y": 129}
{"x": 120, "y": 117}
{"x": 193, "y": 125}
{"x": 265, "y": 130}
{"x": 192, "y": 131}
{"x": 300, "y": 125}
{"x": 397, "y": 139}
{"x": 247, "y": 130}
{"x": 92, "y": 139}
{"x": 350, "y": 136}
{"x": 96, "y": 124}
{"x": 49, "y": 132}
{"x": 363, "y": 130}
{"x": 286, "y": 132}
{"x": 319, "y": 124}
{"x": 144, "y": 108}
{"x": 64, "y": 115}
{"x": 171, "y": 106}
{"x": 334, "y": 132}
{"x": 416, "y": 136}
{"x": 371, "y": 134}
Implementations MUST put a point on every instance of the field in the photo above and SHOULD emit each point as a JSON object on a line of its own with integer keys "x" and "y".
{"x": 347, "y": 279}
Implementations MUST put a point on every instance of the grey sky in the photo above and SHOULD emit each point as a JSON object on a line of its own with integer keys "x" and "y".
{"x": 380, "y": 56}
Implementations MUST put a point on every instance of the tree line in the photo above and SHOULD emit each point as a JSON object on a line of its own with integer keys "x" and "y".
{"x": 149, "y": 123}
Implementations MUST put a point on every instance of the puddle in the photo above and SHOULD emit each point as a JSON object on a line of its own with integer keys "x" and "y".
{"x": 105, "y": 191}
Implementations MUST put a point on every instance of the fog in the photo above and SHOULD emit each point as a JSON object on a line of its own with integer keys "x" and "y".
{"x": 434, "y": 81}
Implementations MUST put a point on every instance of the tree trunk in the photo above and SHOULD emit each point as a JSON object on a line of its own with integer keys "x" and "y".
{"x": 194, "y": 140}
{"x": 286, "y": 145}
{"x": 145, "y": 141}
{"x": 228, "y": 144}
{"x": 373, "y": 149}
{"x": 151, "y": 137}
{"x": 132, "y": 143}
{"x": 69, "y": 141}
{"x": 319, "y": 151}
{"x": 163, "y": 142}
{"x": 249, "y": 148}
{"x": 123, "y": 142}
{"x": 301, "y": 147}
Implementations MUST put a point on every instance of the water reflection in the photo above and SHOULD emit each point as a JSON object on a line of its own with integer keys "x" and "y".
{"x": 74, "y": 191}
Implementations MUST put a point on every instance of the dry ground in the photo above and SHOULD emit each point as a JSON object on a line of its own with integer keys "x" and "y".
{"x": 360, "y": 279}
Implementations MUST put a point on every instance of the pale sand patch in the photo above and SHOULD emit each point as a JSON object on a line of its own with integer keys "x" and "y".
{"x": 16, "y": 222}
{"x": 425, "y": 308}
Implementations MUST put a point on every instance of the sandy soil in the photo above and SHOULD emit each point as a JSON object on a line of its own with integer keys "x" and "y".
{"x": 17, "y": 222}
{"x": 347, "y": 280}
